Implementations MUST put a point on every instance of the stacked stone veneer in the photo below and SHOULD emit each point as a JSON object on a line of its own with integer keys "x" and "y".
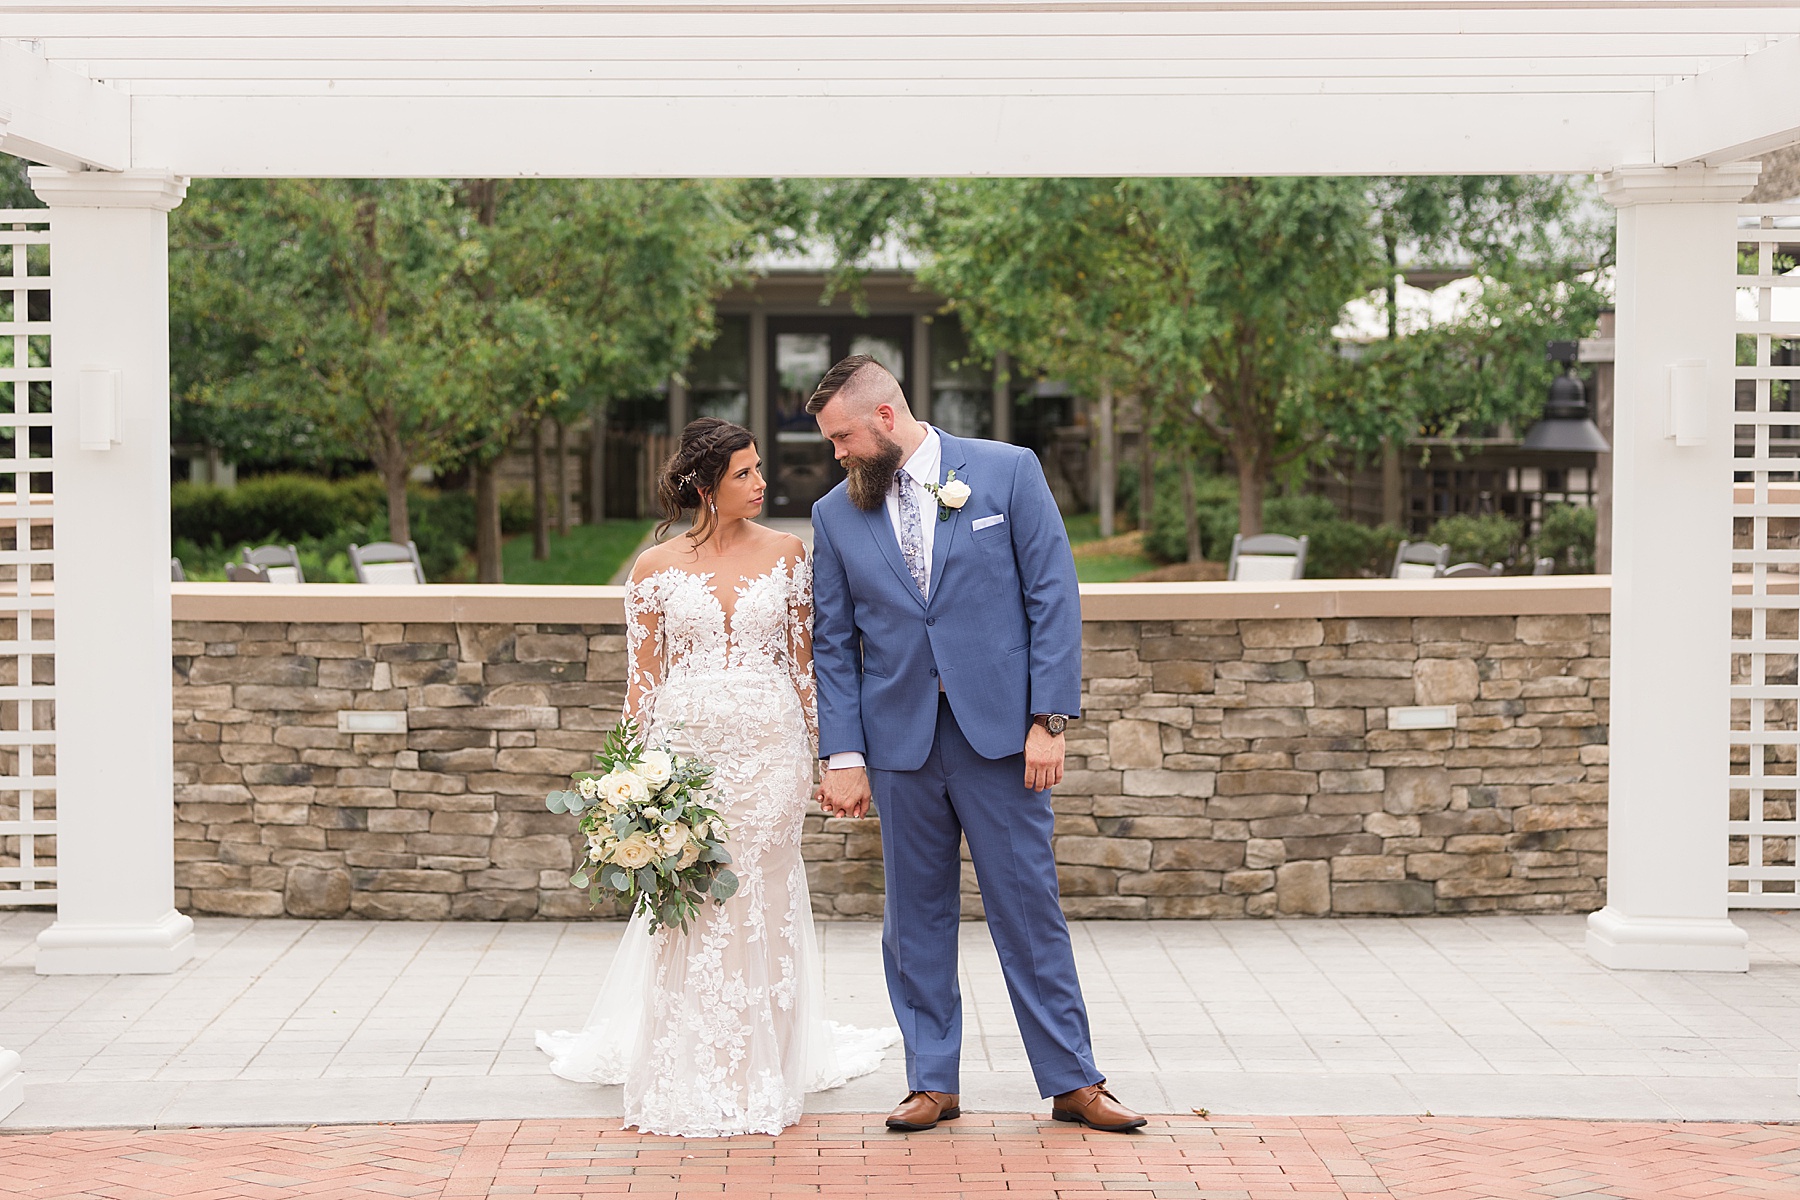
{"x": 1245, "y": 768}
{"x": 1226, "y": 767}
{"x": 278, "y": 813}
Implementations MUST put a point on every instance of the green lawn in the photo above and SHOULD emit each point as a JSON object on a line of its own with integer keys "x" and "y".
{"x": 1082, "y": 527}
{"x": 590, "y": 554}
{"x": 1112, "y": 568}
{"x": 1099, "y": 564}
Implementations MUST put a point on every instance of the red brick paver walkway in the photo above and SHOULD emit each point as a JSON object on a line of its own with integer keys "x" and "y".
{"x": 1248, "y": 1158}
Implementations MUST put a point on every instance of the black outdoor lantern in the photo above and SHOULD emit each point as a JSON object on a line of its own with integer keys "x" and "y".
{"x": 1566, "y": 426}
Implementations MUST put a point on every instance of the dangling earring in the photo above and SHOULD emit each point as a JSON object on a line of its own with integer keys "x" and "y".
{"x": 711, "y": 505}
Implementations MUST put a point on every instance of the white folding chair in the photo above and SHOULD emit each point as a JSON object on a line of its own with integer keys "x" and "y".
{"x": 387, "y": 563}
{"x": 1420, "y": 560}
{"x": 281, "y": 562}
{"x": 1267, "y": 557}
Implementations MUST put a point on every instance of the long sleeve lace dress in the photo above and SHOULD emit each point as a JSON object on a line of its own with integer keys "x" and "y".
{"x": 721, "y": 1030}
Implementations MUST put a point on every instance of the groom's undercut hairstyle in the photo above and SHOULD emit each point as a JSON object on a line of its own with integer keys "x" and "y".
{"x": 847, "y": 374}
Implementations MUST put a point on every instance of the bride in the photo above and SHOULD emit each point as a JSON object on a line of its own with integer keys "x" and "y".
{"x": 721, "y": 1030}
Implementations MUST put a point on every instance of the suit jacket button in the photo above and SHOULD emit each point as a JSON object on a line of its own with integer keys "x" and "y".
{"x": 934, "y": 672}
{"x": 931, "y": 620}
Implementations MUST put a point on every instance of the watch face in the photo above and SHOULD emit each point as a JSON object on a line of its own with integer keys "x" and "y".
{"x": 1056, "y": 722}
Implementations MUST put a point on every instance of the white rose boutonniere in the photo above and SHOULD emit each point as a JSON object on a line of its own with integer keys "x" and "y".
{"x": 950, "y": 495}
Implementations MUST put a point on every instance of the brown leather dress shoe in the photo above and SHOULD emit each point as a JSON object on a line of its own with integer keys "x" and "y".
{"x": 1096, "y": 1108}
{"x": 923, "y": 1110}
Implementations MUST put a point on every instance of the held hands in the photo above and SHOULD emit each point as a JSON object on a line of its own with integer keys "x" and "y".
{"x": 844, "y": 792}
{"x": 1043, "y": 758}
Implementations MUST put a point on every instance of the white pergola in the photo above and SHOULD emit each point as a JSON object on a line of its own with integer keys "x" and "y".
{"x": 123, "y": 103}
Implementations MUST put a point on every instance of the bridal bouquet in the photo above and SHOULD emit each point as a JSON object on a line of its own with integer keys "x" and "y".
{"x": 651, "y": 837}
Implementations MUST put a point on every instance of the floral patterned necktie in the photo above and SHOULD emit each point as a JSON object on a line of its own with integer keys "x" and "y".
{"x": 912, "y": 531}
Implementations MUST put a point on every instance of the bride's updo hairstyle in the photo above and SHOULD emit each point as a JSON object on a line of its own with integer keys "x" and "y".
{"x": 691, "y": 476}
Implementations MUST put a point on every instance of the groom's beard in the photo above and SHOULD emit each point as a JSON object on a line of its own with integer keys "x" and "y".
{"x": 871, "y": 477}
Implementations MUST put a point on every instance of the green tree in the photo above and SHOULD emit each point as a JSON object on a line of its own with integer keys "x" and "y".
{"x": 345, "y": 295}
{"x": 1254, "y": 274}
{"x": 1214, "y": 297}
{"x": 432, "y": 322}
{"x": 15, "y": 185}
{"x": 583, "y": 293}
{"x": 1540, "y": 246}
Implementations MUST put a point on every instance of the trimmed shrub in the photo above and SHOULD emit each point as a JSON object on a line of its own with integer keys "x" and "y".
{"x": 1215, "y": 504}
{"x": 211, "y": 525}
{"x": 515, "y": 512}
{"x": 1567, "y": 535}
{"x": 1337, "y": 547}
{"x": 1489, "y": 538}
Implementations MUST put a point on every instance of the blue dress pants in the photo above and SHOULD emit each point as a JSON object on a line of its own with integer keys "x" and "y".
{"x": 925, "y": 814}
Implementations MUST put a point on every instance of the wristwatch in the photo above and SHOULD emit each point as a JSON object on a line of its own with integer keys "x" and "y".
{"x": 1053, "y": 723}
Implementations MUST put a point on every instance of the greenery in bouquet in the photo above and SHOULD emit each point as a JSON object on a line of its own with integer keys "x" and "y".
{"x": 652, "y": 838}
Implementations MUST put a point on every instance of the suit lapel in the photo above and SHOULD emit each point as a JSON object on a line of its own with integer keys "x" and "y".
{"x": 881, "y": 532}
{"x": 950, "y": 458}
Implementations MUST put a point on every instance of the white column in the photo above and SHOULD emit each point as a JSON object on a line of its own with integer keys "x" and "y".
{"x": 759, "y": 380}
{"x": 12, "y": 1082}
{"x": 920, "y": 390}
{"x": 115, "y": 776}
{"x": 1671, "y": 600}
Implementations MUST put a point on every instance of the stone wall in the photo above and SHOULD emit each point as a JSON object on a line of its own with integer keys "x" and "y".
{"x": 1231, "y": 763}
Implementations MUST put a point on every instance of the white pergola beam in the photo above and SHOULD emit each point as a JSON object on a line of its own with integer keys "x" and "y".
{"x": 797, "y": 135}
{"x": 1733, "y": 112}
{"x": 52, "y": 115}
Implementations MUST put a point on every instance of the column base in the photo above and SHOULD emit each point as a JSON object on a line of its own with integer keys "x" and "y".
{"x": 12, "y": 1082}
{"x": 153, "y": 948}
{"x": 1626, "y": 943}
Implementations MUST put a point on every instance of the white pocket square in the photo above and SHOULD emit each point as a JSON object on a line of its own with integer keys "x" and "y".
{"x": 984, "y": 522}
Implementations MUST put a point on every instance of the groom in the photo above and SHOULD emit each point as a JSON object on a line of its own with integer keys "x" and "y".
{"x": 947, "y": 646}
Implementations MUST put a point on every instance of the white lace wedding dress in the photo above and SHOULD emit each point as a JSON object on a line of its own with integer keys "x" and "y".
{"x": 721, "y": 1030}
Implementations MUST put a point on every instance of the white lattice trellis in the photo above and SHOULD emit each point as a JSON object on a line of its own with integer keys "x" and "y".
{"x": 1765, "y": 663}
{"x": 27, "y": 678}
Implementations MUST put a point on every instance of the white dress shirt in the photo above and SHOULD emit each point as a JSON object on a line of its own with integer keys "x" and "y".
{"x": 920, "y": 468}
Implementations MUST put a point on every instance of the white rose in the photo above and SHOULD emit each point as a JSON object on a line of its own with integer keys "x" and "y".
{"x": 689, "y": 856}
{"x": 589, "y": 788}
{"x": 674, "y": 837}
{"x": 954, "y": 494}
{"x": 624, "y": 787}
{"x": 634, "y": 852}
{"x": 655, "y": 768}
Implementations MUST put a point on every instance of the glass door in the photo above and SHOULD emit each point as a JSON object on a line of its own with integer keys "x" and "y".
{"x": 801, "y": 350}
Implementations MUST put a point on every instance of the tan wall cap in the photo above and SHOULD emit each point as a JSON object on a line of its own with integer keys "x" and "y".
{"x": 1523, "y": 595}
{"x": 1303, "y": 598}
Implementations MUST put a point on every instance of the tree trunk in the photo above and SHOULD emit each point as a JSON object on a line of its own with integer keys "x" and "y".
{"x": 540, "y": 499}
{"x": 1190, "y": 514}
{"x": 1146, "y": 469}
{"x": 399, "y": 519}
{"x": 1392, "y": 484}
{"x": 563, "y": 499}
{"x": 1106, "y": 484}
{"x": 1250, "y": 494}
{"x": 488, "y": 565}
{"x": 597, "y": 466}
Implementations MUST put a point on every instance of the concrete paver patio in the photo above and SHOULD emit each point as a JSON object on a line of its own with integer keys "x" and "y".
{"x": 295, "y": 1022}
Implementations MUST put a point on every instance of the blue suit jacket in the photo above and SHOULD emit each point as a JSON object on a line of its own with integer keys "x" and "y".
{"x": 1002, "y": 628}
